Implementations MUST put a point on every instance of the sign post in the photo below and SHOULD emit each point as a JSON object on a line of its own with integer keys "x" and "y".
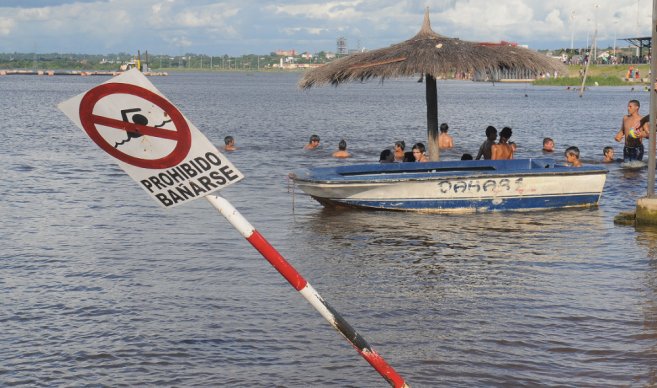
{"x": 174, "y": 162}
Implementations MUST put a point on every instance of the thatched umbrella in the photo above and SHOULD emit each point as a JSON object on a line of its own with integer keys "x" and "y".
{"x": 433, "y": 56}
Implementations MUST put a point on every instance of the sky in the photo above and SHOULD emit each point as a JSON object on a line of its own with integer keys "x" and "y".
{"x": 237, "y": 27}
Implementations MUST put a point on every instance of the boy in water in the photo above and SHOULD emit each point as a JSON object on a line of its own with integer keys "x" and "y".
{"x": 548, "y": 145}
{"x": 399, "y": 150}
{"x": 230, "y": 143}
{"x": 445, "y": 140}
{"x": 608, "y": 153}
{"x": 312, "y": 143}
{"x": 418, "y": 153}
{"x": 572, "y": 156}
{"x": 485, "y": 149}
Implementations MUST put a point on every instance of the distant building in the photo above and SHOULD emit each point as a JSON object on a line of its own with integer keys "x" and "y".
{"x": 329, "y": 55}
{"x": 342, "y": 46}
{"x": 286, "y": 53}
{"x": 307, "y": 55}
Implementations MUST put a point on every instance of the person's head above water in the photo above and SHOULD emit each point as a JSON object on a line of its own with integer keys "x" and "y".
{"x": 506, "y": 133}
{"x": 491, "y": 132}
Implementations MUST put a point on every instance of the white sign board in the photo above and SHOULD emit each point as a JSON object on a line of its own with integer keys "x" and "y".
{"x": 150, "y": 139}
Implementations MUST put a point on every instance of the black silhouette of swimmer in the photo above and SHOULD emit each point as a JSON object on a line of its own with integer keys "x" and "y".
{"x": 137, "y": 119}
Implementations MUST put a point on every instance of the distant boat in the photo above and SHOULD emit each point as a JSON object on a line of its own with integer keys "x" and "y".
{"x": 455, "y": 186}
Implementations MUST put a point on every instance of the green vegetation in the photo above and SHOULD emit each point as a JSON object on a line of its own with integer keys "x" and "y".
{"x": 577, "y": 81}
{"x": 601, "y": 75}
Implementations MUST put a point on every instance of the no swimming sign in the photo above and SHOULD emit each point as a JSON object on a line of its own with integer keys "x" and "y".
{"x": 150, "y": 139}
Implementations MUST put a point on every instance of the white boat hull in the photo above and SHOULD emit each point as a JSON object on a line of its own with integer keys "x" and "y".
{"x": 442, "y": 191}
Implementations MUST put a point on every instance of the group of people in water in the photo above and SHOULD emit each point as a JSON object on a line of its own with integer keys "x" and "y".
{"x": 489, "y": 149}
{"x": 634, "y": 128}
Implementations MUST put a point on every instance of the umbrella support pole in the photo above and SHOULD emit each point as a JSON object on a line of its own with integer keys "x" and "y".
{"x": 432, "y": 116}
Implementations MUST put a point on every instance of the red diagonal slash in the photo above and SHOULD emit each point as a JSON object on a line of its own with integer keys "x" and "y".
{"x": 181, "y": 135}
{"x": 132, "y": 127}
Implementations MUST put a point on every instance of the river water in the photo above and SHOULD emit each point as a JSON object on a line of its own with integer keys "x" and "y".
{"x": 101, "y": 286}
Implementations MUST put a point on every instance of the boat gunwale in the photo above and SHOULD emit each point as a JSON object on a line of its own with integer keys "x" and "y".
{"x": 409, "y": 172}
{"x": 339, "y": 179}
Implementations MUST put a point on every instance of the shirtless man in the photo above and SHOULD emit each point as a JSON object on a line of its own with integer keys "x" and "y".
{"x": 503, "y": 150}
{"x": 342, "y": 150}
{"x": 633, "y": 149}
{"x": 445, "y": 140}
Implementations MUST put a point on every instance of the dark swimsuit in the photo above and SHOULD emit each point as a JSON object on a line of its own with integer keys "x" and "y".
{"x": 633, "y": 149}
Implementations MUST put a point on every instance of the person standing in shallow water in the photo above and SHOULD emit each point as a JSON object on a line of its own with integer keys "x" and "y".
{"x": 312, "y": 143}
{"x": 630, "y": 131}
{"x": 503, "y": 150}
{"x": 445, "y": 140}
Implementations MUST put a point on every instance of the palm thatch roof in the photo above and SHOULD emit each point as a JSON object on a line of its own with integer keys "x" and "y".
{"x": 433, "y": 56}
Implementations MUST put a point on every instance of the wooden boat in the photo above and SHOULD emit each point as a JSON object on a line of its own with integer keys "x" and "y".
{"x": 455, "y": 186}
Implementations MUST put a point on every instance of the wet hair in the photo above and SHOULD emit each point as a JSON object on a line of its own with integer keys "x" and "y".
{"x": 386, "y": 156}
{"x": 644, "y": 120}
{"x": 572, "y": 151}
{"x": 444, "y": 127}
{"x": 420, "y": 147}
{"x": 490, "y": 131}
{"x": 506, "y": 133}
{"x": 606, "y": 150}
{"x": 466, "y": 157}
{"x": 228, "y": 139}
{"x": 635, "y": 102}
{"x": 342, "y": 145}
{"x": 547, "y": 140}
{"x": 408, "y": 156}
{"x": 313, "y": 138}
{"x": 401, "y": 144}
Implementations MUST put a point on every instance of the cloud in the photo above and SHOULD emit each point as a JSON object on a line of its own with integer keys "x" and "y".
{"x": 6, "y": 26}
{"x": 251, "y": 26}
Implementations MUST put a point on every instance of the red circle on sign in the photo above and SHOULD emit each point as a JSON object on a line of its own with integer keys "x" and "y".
{"x": 181, "y": 135}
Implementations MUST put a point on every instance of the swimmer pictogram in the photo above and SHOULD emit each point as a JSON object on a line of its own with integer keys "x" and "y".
{"x": 136, "y": 125}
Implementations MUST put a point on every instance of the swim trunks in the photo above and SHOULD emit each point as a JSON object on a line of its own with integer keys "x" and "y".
{"x": 633, "y": 153}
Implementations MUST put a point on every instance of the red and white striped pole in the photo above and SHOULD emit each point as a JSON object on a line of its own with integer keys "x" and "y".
{"x": 300, "y": 284}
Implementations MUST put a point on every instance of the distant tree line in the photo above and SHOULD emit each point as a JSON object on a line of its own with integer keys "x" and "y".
{"x": 110, "y": 62}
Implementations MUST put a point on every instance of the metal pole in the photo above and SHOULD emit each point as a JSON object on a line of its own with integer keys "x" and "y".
{"x": 572, "y": 31}
{"x": 653, "y": 105}
{"x": 305, "y": 289}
